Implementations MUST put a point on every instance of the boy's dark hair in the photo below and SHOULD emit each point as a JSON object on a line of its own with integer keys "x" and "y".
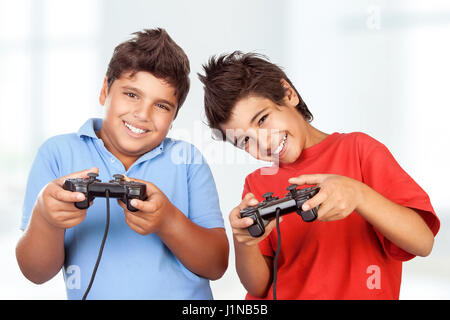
{"x": 231, "y": 77}
{"x": 154, "y": 51}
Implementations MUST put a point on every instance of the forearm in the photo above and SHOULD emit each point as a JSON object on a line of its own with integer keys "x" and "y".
{"x": 253, "y": 269}
{"x": 401, "y": 225}
{"x": 40, "y": 250}
{"x": 203, "y": 251}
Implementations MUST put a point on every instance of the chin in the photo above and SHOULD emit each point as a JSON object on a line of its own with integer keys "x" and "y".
{"x": 291, "y": 158}
{"x": 135, "y": 151}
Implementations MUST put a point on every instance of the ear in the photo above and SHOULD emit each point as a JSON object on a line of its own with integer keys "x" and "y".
{"x": 290, "y": 96}
{"x": 104, "y": 92}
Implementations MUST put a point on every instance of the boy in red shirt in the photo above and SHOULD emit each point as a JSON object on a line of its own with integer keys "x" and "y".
{"x": 372, "y": 215}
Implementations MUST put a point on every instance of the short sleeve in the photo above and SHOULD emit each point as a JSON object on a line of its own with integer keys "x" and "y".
{"x": 382, "y": 173}
{"x": 204, "y": 206}
{"x": 43, "y": 170}
{"x": 265, "y": 246}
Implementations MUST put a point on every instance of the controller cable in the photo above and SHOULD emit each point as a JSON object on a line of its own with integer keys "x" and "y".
{"x": 275, "y": 262}
{"x": 99, "y": 257}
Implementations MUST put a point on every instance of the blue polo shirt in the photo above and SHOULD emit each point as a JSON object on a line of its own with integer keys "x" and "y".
{"x": 132, "y": 266}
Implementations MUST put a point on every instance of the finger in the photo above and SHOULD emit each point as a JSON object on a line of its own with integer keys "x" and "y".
{"x": 315, "y": 201}
{"x": 78, "y": 174}
{"x": 58, "y": 193}
{"x": 137, "y": 223}
{"x": 150, "y": 187}
{"x": 65, "y": 219}
{"x": 307, "y": 179}
{"x": 134, "y": 226}
{"x": 136, "y": 205}
{"x": 136, "y": 218}
{"x": 236, "y": 220}
{"x": 325, "y": 211}
{"x": 249, "y": 240}
{"x": 147, "y": 206}
{"x": 271, "y": 225}
{"x": 240, "y": 223}
{"x": 333, "y": 217}
{"x": 70, "y": 223}
{"x": 248, "y": 200}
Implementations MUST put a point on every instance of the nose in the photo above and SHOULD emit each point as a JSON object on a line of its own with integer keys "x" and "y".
{"x": 143, "y": 111}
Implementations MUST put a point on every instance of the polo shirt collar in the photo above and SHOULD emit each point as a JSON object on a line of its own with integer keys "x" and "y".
{"x": 89, "y": 127}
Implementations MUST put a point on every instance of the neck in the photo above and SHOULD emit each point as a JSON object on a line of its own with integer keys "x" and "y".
{"x": 126, "y": 160}
{"x": 314, "y": 136}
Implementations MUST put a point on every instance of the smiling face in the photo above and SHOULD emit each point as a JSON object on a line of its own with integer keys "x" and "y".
{"x": 269, "y": 131}
{"x": 139, "y": 111}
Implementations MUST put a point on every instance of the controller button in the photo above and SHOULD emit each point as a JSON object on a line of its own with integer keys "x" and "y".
{"x": 268, "y": 196}
{"x": 118, "y": 177}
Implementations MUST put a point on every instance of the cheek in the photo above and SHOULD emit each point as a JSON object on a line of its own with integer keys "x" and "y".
{"x": 114, "y": 108}
{"x": 253, "y": 150}
{"x": 162, "y": 121}
{"x": 256, "y": 151}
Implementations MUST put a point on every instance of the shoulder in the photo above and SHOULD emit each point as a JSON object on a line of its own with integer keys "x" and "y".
{"x": 358, "y": 138}
{"x": 363, "y": 142}
{"x": 60, "y": 142}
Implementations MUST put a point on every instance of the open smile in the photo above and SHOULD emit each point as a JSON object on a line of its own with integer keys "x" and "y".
{"x": 135, "y": 130}
{"x": 281, "y": 147}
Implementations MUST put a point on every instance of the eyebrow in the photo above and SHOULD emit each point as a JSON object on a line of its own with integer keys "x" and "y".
{"x": 140, "y": 92}
{"x": 257, "y": 114}
{"x": 251, "y": 121}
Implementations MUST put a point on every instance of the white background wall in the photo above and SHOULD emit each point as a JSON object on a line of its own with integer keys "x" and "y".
{"x": 380, "y": 67}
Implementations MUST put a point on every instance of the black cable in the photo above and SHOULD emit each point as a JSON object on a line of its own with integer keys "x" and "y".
{"x": 277, "y": 253}
{"x": 99, "y": 257}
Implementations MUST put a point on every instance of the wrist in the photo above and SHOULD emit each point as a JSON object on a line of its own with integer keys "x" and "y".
{"x": 40, "y": 218}
{"x": 171, "y": 220}
{"x": 363, "y": 193}
{"x": 245, "y": 246}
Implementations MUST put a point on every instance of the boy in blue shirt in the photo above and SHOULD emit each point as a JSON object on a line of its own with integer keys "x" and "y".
{"x": 175, "y": 242}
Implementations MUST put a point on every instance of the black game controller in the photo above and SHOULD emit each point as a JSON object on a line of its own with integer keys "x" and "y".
{"x": 266, "y": 210}
{"x": 92, "y": 187}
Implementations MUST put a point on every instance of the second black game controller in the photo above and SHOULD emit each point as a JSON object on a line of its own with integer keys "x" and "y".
{"x": 118, "y": 188}
{"x": 266, "y": 210}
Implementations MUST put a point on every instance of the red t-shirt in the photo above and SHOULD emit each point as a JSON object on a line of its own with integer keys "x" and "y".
{"x": 348, "y": 258}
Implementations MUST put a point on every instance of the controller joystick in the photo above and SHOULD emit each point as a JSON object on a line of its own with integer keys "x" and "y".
{"x": 268, "y": 196}
{"x": 118, "y": 178}
{"x": 266, "y": 210}
{"x": 118, "y": 188}
{"x": 292, "y": 188}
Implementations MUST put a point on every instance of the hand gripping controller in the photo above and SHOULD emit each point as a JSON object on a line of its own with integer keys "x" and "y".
{"x": 118, "y": 188}
{"x": 266, "y": 210}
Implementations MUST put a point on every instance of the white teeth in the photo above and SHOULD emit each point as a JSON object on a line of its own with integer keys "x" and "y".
{"x": 280, "y": 147}
{"x": 134, "y": 129}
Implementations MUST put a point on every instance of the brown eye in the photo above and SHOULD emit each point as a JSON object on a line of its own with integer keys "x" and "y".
{"x": 131, "y": 95}
{"x": 261, "y": 121}
{"x": 162, "y": 106}
{"x": 244, "y": 142}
